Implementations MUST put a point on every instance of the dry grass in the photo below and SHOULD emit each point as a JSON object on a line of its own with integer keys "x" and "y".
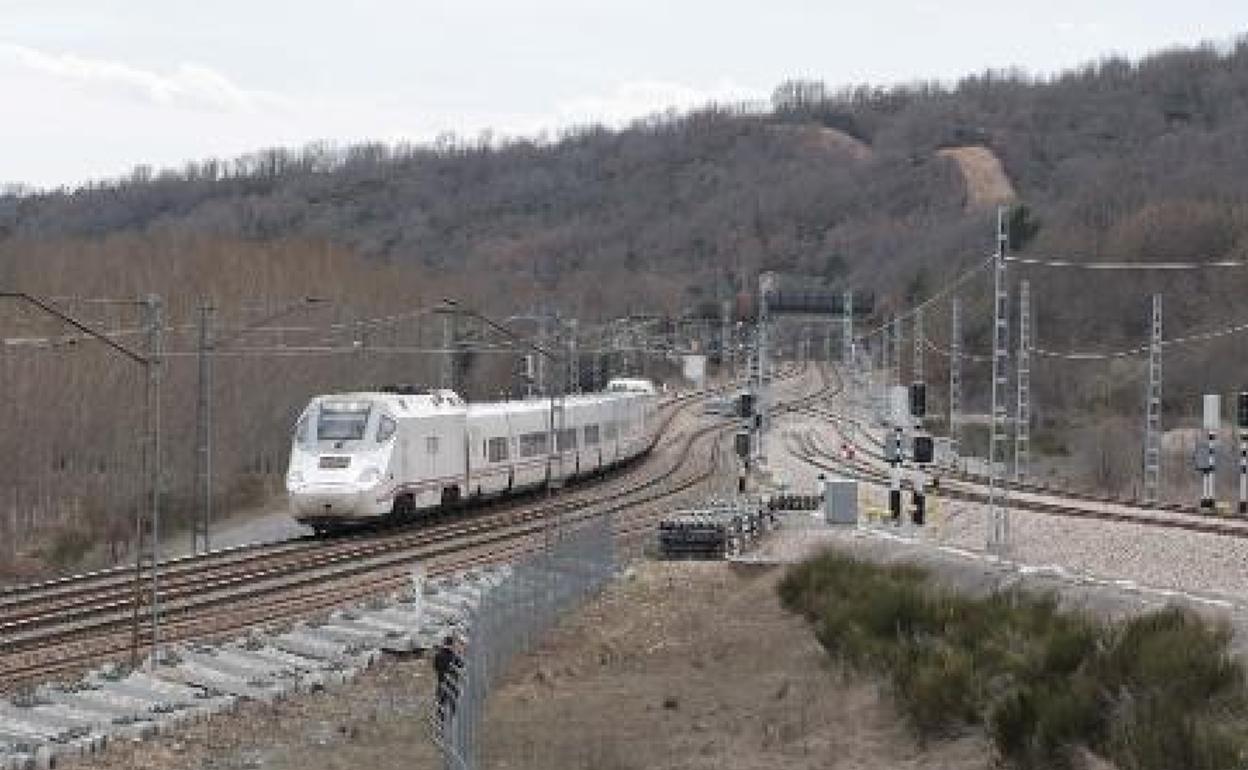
{"x": 676, "y": 666}
{"x": 697, "y": 666}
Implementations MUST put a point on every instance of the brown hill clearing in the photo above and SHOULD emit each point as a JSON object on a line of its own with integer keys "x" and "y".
{"x": 987, "y": 184}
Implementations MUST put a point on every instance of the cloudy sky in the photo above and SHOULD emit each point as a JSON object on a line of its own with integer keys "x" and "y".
{"x": 93, "y": 87}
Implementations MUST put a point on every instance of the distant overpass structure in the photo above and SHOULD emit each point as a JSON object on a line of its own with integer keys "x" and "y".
{"x": 818, "y": 301}
{"x": 794, "y": 294}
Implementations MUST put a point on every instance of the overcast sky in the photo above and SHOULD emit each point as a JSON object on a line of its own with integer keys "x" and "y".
{"x": 92, "y": 88}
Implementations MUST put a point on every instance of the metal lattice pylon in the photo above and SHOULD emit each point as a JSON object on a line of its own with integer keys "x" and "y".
{"x": 998, "y": 509}
{"x": 202, "y": 524}
{"x": 886, "y": 357}
{"x": 955, "y": 376}
{"x": 448, "y": 356}
{"x": 574, "y": 359}
{"x": 916, "y": 374}
{"x": 1022, "y": 421}
{"x": 847, "y": 329}
{"x": 1152, "y": 420}
{"x": 897, "y": 342}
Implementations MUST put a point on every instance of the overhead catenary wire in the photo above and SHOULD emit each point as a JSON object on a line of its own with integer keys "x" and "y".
{"x": 363, "y": 323}
{"x": 1091, "y": 355}
{"x": 944, "y": 291}
{"x": 1091, "y": 265}
{"x": 964, "y": 356}
{"x": 1139, "y": 350}
{"x": 333, "y": 350}
{"x": 1049, "y": 262}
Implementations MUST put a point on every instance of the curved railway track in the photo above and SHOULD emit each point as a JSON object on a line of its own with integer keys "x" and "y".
{"x": 62, "y": 626}
{"x": 869, "y": 465}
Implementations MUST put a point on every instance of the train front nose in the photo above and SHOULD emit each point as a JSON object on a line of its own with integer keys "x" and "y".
{"x": 326, "y": 501}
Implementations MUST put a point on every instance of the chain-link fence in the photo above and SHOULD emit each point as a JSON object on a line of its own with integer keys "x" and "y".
{"x": 538, "y": 590}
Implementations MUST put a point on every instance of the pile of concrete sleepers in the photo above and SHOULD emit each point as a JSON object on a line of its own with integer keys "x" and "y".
{"x": 713, "y": 532}
{"x": 194, "y": 681}
{"x": 794, "y": 502}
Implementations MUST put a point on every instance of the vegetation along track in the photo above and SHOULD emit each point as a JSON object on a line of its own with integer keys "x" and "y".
{"x": 868, "y": 465}
{"x": 63, "y": 626}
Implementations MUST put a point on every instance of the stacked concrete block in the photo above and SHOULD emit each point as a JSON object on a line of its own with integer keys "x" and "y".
{"x": 196, "y": 681}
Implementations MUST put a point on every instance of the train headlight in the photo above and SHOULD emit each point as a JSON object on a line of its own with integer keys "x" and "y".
{"x": 369, "y": 475}
{"x": 294, "y": 477}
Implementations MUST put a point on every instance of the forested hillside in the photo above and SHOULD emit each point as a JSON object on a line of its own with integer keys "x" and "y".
{"x": 1129, "y": 160}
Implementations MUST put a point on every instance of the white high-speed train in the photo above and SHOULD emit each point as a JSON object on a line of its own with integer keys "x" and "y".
{"x": 398, "y": 452}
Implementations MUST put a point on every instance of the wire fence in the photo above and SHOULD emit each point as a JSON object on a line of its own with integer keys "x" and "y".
{"x": 538, "y": 590}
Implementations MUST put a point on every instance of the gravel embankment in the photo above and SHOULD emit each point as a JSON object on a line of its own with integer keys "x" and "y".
{"x": 1138, "y": 565}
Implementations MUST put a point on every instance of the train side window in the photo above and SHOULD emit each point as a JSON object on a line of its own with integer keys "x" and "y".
{"x": 386, "y": 427}
{"x": 566, "y": 439}
{"x": 591, "y": 435}
{"x": 532, "y": 444}
{"x": 431, "y": 445}
{"x": 610, "y": 430}
{"x": 496, "y": 449}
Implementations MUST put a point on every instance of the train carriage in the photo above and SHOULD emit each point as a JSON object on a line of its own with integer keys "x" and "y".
{"x": 400, "y": 452}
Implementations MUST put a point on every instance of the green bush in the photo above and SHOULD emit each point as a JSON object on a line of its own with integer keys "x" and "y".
{"x": 1156, "y": 692}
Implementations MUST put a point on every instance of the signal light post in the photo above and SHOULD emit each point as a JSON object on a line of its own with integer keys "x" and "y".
{"x": 921, "y": 452}
{"x": 894, "y": 486}
{"x": 1241, "y": 421}
{"x": 1206, "y": 461}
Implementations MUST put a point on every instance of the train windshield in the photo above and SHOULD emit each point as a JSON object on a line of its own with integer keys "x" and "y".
{"x": 342, "y": 420}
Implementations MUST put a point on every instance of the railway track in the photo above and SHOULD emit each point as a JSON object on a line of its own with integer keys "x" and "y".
{"x": 22, "y": 605}
{"x": 62, "y": 626}
{"x": 868, "y": 465}
{"x": 1016, "y": 486}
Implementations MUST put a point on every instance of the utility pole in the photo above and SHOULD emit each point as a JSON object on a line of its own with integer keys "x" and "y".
{"x": 1022, "y": 422}
{"x": 1241, "y": 422}
{"x": 1152, "y": 413}
{"x": 448, "y": 353}
{"x": 761, "y": 399}
{"x": 155, "y": 327}
{"x": 150, "y": 360}
{"x": 897, "y": 354}
{"x": 202, "y": 525}
{"x": 916, "y": 373}
{"x": 598, "y": 355}
{"x": 764, "y": 288}
{"x": 886, "y": 366}
{"x": 847, "y": 333}
{"x": 955, "y": 377}
{"x": 998, "y": 510}
{"x": 574, "y": 362}
{"x": 8, "y": 492}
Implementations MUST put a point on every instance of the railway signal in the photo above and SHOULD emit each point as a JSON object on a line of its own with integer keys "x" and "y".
{"x": 1241, "y": 422}
{"x": 1207, "y": 461}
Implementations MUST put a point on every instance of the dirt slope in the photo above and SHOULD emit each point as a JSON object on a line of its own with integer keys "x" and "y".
{"x": 691, "y": 666}
{"x": 827, "y": 140}
{"x": 677, "y": 665}
{"x": 986, "y": 181}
